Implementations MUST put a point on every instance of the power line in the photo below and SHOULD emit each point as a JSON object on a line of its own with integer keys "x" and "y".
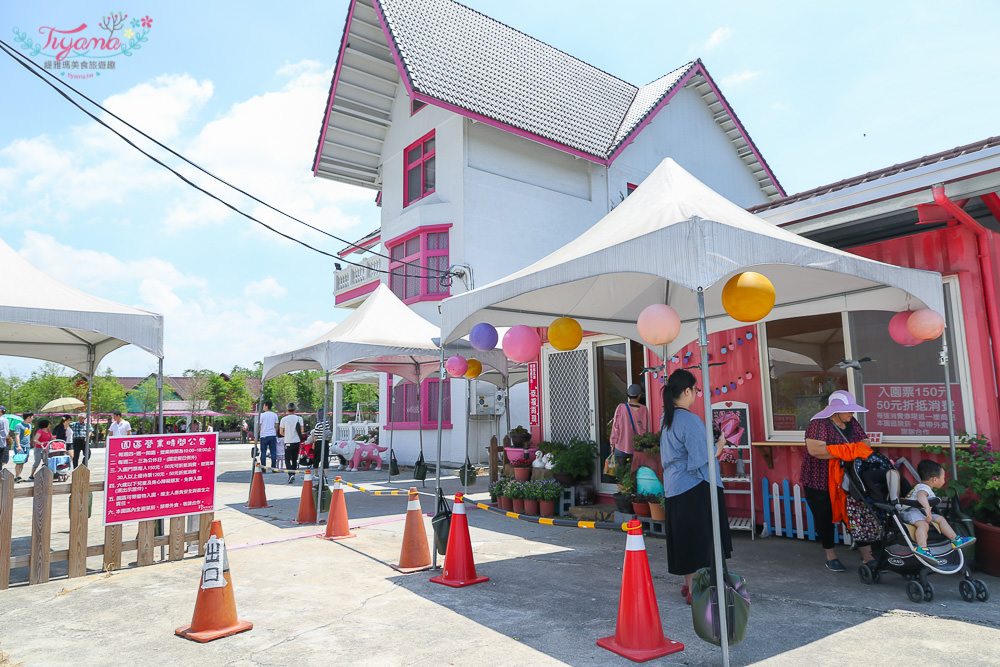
{"x": 33, "y": 69}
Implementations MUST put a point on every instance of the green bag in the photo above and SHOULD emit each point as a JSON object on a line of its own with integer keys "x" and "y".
{"x": 467, "y": 473}
{"x": 327, "y": 496}
{"x": 705, "y": 605}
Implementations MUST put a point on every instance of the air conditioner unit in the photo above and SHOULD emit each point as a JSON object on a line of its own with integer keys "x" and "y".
{"x": 483, "y": 403}
{"x": 500, "y": 402}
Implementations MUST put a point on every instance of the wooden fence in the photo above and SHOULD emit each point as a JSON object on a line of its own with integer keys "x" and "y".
{"x": 786, "y": 513}
{"x": 79, "y": 489}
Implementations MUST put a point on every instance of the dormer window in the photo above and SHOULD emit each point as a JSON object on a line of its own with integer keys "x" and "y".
{"x": 416, "y": 105}
{"x": 418, "y": 169}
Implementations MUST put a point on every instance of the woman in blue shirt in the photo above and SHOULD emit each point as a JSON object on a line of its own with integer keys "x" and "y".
{"x": 685, "y": 460}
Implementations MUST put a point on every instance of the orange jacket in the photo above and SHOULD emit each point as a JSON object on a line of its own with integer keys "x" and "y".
{"x": 838, "y": 497}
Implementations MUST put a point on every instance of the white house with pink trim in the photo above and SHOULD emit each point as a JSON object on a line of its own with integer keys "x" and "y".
{"x": 489, "y": 149}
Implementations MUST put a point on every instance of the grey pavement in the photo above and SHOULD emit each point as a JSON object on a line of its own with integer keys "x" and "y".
{"x": 552, "y": 593}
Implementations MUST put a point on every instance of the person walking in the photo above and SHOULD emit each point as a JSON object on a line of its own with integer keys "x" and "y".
{"x": 22, "y": 444}
{"x": 267, "y": 422}
{"x": 40, "y": 441}
{"x": 80, "y": 431}
{"x": 290, "y": 429}
{"x": 4, "y": 437}
{"x": 631, "y": 419}
{"x": 119, "y": 426}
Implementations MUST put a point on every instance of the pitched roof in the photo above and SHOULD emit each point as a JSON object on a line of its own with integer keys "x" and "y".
{"x": 455, "y": 57}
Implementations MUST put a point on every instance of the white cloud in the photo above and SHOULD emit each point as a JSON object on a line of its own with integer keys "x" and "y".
{"x": 265, "y": 288}
{"x": 159, "y": 107}
{"x": 738, "y": 78}
{"x": 718, "y": 37}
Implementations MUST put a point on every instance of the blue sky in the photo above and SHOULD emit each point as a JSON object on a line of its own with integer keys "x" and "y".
{"x": 240, "y": 87}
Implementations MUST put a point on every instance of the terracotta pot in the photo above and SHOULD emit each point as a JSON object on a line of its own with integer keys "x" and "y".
{"x": 640, "y": 508}
{"x": 518, "y": 505}
{"x": 547, "y": 507}
{"x": 727, "y": 468}
{"x": 530, "y": 507}
{"x": 522, "y": 474}
{"x": 987, "y": 547}
{"x": 657, "y": 512}
{"x": 506, "y": 504}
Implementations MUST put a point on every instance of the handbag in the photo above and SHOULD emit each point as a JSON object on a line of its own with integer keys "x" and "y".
{"x": 705, "y": 605}
{"x": 420, "y": 468}
{"x": 441, "y": 523}
{"x": 20, "y": 456}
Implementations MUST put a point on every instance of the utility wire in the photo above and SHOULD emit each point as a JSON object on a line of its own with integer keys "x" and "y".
{"x": 33, "y": 68}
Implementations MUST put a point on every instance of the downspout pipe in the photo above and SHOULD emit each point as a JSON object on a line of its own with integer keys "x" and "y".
{"x": 985, "y": 269}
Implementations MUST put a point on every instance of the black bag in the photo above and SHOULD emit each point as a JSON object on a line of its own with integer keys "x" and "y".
{"x": 441, "y": 523}
{"x": 467, "y": 473}
{"x": 420, "y": 468}
{"x": 393, "y": 464}
{"x": 705, "y": 605}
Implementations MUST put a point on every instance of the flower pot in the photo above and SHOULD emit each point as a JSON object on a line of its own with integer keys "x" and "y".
{"x": 727, "y": 468}
{"x": 987, "y": 547}
{"x": 640, "y": 508}
{"x": 520, "y": 440}
{"x": 564, "y": 478}
{"x": 522, "y": 474}
{"x": 530, "y": 507}
{"x": 518, "y": 505}
{"x": 657, "y": 512}
{"x": 547, "y": 507}
{"x": 623, "y": 503}
{"x": 506, "y": 504}
{"x": 514, "y": 453}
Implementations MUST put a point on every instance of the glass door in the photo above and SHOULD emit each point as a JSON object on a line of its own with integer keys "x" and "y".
{"x": 618, "y": 364}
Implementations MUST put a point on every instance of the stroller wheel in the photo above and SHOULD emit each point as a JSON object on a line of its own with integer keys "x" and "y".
{"x": 928, "y": 591}
{"x": 967, "y": 590}
{"x": 866, "y": 575}
{"x": 915, "y": 591}
{"x": 982, "y": 592}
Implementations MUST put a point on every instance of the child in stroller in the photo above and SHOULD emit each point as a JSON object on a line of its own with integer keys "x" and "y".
{"x": 877, "y": 482}
{"x": 931, "y": 475}
{"x": 59, "y": 462}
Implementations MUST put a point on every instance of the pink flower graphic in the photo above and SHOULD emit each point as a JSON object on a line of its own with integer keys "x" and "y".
{"x": 147, "y": 22}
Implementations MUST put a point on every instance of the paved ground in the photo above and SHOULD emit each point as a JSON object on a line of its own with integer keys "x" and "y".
{"x": 553, "y": 592}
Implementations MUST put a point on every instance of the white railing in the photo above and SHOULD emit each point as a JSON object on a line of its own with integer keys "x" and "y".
{"x": 356, "y": 276}
{"x": 352, "y": 430}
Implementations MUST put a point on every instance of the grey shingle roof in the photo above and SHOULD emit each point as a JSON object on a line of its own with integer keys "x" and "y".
{"x": 464, "y": 58}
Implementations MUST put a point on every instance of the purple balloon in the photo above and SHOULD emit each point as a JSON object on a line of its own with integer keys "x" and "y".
{"x": 483, "y": 337}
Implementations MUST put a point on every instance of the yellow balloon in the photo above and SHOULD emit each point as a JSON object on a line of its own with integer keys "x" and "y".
{"x": 748, "y": 296}
{"x": 475, "y": 368}
{"x": 565, "y": 334}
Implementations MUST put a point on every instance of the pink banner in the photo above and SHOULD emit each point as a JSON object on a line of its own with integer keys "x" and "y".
{"x": 534, "y": 407}
{"x": 912, "y": 409}
{"x": 159, "y": 476}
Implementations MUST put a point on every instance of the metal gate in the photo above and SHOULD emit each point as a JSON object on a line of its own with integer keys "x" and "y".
{"x": 568, "y": 399}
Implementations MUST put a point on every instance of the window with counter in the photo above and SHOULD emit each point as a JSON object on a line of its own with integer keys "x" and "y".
{"x": 902, "y": 387}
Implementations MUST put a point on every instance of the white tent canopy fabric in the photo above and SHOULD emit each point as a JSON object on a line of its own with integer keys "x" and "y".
{"x": 673, "y": 232}
{"x": 43, "y": 318}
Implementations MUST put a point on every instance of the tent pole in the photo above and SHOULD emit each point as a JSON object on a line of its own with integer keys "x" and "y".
{"x": 437, "y": 493}
{"x": 159, "y": 394}
{"x": 468, "y": 425}
{"x": 947, "y": 393}
{"x": 91, "y": 359}
{"x": 322, "y": 448}
{"x": 706, "y": 389}
{"x": 391, "y": 404}
{"x": 420, "y": 426}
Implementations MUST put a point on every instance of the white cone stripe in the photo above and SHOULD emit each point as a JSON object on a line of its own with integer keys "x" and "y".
{"x": 458, "y": 508}
{"x": 336, "y": 485}
{"x": 413, "y": 505}
{"x": 634, "y": 543}
{"x": 308, "y": 477}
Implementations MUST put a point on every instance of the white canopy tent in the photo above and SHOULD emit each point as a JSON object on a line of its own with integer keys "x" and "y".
{"x": 676, "y": 241}
{"x": 43, "y": 318}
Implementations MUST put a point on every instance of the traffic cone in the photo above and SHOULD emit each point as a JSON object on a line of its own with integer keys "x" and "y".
{"x": 215, "y": 608}
{"x": 415, "y": 555}
{"x": 638, "y": 635}
{"x": 459, "y": 568}
{"x": 307, "y": 506}
{"x": 258, "y": 498}
{"x": 336, "y": 520}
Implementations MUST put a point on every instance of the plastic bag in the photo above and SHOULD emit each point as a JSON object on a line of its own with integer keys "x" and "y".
{"x": 610, "y": 464}
{"x": 705, "y": 606}
{"x": 441, "y": 523}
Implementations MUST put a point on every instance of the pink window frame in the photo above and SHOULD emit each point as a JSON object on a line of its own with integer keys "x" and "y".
{"x": 418, "y": 164}
{"x": 420, "y": 258}
{"x": 630, "y": 188}
{"x": 427, "y": 421}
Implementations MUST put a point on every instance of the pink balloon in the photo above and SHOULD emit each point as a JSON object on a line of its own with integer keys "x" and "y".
{"x": 658, "y": 324}
{"x": 521, "y": 344}
{"x": 898, "y": 330}
{"x": 456, "y": 366}
{"x": 925, "y": 324}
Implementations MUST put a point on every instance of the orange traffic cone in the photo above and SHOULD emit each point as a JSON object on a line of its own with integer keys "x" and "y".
{"x": 258, "y": 498}
{"x": 459, "y": 568}
{"x": 307, "y": 506}
{"x": 215, "y": 608}
{"x": 336, "y": 519}
{"x": 415, "y": 555}
{"x": 638, "y": 635}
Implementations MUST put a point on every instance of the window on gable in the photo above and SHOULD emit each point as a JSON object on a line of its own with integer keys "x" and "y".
{"x": 418, "y": 169}
{"x": 416, "y": 263}
{"x": 416, "y": 105}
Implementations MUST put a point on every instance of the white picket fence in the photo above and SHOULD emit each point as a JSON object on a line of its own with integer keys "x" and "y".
{"x": 786, "y": 513}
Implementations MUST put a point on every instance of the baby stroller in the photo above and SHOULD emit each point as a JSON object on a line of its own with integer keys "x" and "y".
{"x": 59, "y": 462}
{"x": 876, "y": 482}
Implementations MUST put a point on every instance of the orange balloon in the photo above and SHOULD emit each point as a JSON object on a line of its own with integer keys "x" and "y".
{"x": 475, "y": 368}
{"x": 565, "y": 334}
{"x": 925, "y": 324}
{"x": 748, "y": 296}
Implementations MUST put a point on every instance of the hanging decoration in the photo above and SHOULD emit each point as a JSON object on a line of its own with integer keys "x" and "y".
{"x": 456, "y": 366}
{"x": 483, "y": 337}
{"x": 748, "y": 296}
{"x": 521, "y": 344}
{"x": 925, "y": 324}
{"x": 474, "y": 369}
{"x": 565, "y": 334}
{"x": 899, "y": 332}
{"x": 658, "y": 324}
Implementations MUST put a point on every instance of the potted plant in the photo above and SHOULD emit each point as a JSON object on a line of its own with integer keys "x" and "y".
{"x": 658, "y": 508}
{"x": 531, "y": 492}
{"x": 648, "y": 443}
{"x": 496, "y": 490}
{"x": 506, "y": 502}
{"x": 626, "y": 487}
{"x": 522, "y": 469}
{"x": 516, "y": 491}
{"x": 978, "y": 484}
{"x": 727, "y": 462}
{"x": 520, "y": 436}
{"x": 549, "y": 493}
{"x": 574, "y": 462}
{"x": 642, "y": 504}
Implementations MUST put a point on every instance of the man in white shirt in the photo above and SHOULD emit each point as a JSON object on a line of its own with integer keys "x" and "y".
{"x": 119, "y": 426}
{"x": 267, "y": 422}
{"x": 290, "y": 429}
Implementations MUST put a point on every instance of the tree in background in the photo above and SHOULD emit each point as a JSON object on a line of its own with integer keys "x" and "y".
{"x": 200, "y": 388}
{"x": 280, "y": 391}
{"x": 227, "y": 392}
{"x": 11, "y": 389}
{"x": 108, "y": 393}
{"x": 365, "y": 394}
{"x": 45, "y": 384}
{"x": 309, "y": 389}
